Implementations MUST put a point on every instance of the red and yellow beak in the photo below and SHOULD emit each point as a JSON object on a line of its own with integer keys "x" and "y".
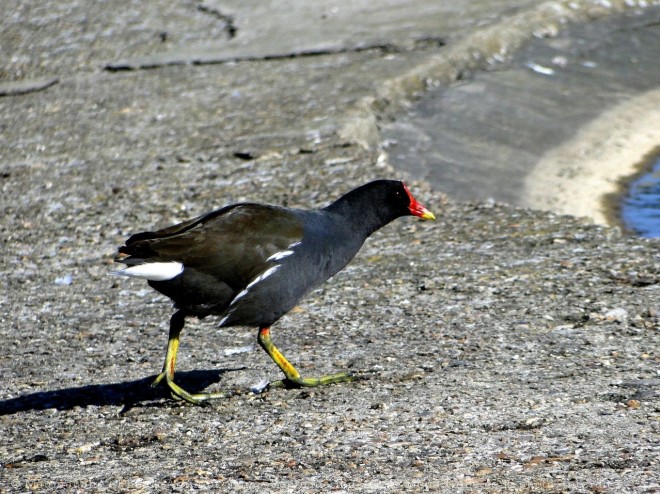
{"x": 416, "y": 209}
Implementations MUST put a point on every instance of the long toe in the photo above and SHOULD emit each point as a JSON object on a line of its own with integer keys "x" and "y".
{"x": 179, "y": 393}
{"x": 159, "y": 378}
{"x": 312, "y": 382}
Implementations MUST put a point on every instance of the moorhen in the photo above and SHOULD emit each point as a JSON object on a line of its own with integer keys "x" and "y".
{"x": 251, "y": 263}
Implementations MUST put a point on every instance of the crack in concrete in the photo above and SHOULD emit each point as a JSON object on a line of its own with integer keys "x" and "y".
{"x": 228, "y": 19}
{"x": 18, "y": 88}
{"x": 212, "y": 57}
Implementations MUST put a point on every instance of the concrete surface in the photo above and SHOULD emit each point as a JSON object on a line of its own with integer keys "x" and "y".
{"x": 509, "y": 350}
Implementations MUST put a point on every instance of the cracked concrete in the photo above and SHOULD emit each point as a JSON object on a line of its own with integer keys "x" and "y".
{"x": 229, "y": 20}
{"x": 207, "y": 56}
{"x": 16, "y": 88}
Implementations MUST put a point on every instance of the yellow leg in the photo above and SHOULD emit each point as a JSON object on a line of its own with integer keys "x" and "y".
{"x": 293, "y": 378}
{"x": 176, "y": 326}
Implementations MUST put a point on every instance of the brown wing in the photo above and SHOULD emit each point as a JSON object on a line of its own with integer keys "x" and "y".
{"x": 231, "y": 244}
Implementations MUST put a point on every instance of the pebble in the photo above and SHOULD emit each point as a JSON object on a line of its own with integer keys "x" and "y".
{"x": 64, "y": 280}
{"x": 617, "y": 315}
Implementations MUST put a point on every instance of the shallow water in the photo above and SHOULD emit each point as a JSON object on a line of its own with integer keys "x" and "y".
{"x": 640, "y": 208}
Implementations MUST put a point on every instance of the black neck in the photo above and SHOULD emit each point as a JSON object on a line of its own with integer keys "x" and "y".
{"x": 364, "y": 209}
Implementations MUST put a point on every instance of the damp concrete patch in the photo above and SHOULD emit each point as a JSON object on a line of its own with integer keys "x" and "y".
{"x": 574, "y": 110}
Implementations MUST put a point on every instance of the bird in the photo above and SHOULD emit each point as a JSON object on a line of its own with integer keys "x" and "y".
{"x": 250, "y": 264}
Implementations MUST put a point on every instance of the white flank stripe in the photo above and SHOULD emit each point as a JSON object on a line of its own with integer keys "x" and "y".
{"x": 240, "y": 294}
{"x": 153, "y": 271}
{"x": 280, "y": 255}
{"x": 284, "y": 253}
{"x": 259, "y": 278}
{"x": 262, "y": 276}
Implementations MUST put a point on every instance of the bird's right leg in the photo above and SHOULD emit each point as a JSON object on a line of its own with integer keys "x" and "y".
{"x": 293, "y": 377}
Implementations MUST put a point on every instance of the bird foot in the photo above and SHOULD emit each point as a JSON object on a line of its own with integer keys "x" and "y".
{"x": 178, "y": 393}
{"x": 312, "y": 382}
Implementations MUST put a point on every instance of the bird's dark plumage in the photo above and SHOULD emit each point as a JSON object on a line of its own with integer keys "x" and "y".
{"x": 251, "y": 263}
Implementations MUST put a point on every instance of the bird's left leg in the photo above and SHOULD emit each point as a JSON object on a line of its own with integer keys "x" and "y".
{"x": 176, "y": 326}
{"x": 293, "y": 377}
